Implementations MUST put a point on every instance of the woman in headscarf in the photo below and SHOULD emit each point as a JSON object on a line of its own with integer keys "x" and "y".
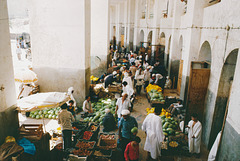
{"x": 70, "y": 93}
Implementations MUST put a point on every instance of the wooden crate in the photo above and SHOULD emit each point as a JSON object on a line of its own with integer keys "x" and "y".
{"x": 113, "y": 89}
{"x": 31, "y": 131}
{"x": 154, "y": 103}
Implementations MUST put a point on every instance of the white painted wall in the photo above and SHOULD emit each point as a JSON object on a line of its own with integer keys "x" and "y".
{"x": 7, "y": 84}
{"x": 100, "y": 22}
{"x": 18, "y": 8}
{"x": 61, "y": 45}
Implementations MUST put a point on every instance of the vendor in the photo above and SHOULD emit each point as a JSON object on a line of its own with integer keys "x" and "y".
{"x": 109, "y": 79}
{"x": 153, "y": 79}
{"x": 87, "y": 106}
{"x": 57, "y": 153}
{"x": 65, "y": 119}
{"x": 101, "y": 79}
{"x": 109, "y": 123}
{"x": 176, "y": 108}
{"x": 71, "y": 108}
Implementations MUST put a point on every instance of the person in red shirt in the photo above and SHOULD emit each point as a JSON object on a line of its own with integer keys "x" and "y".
{"x": 132, "y": 150}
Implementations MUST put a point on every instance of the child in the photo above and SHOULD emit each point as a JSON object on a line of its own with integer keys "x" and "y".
{"x": 132, "y": 150}
{"x": 71, "y": 108}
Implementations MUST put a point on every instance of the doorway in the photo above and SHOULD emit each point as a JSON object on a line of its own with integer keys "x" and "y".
{"x": 224, "y": 87}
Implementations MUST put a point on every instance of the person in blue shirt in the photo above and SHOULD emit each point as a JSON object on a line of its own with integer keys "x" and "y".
{"x": 127, "y": 122}
{"x": 109, "y": 79}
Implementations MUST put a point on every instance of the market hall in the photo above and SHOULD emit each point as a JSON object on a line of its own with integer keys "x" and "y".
{"x": 121, "y": 80}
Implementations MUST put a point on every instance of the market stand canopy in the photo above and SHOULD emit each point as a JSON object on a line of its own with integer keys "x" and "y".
{"x": 25, "y": 76}
{"x": 42, "y": 101}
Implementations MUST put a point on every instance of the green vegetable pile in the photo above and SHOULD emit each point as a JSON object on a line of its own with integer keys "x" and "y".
{"x": 156, "y": 96}
{"x": 99, "y": 108}
{"x": 169, "y": 126}
{"x": 47, "y": 113}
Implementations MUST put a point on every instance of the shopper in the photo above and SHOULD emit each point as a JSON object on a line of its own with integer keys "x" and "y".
{"x": 152, "y": 125}
{"x": 194, "y": 135}
{"x": 132, "y": 150}
{"x": 65, "y": 119}
{"x": 127, "y": 122}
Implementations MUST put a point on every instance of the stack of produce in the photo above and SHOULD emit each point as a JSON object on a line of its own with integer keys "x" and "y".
{"x": 82, "y": 152}
{"x": 169, "y": 126}
{"x": 99, "y": 110}
{"x": 87, "y": 135}
{"x": 107, "y": 137}
{"x": 85, "y": 145}
{"x": 47, "y": 113}
{"x": 94, "y": 79}
{"x": 156, "y": 96}
{"x": 163, "y": 113}
{"x": 153, "y": 87}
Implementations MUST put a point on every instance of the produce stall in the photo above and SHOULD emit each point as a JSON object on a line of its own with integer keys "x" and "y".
{"x": 175, "y": 139}
{"x": 154, "y": 95}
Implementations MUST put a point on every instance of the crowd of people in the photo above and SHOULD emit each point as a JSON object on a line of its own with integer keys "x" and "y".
{"x": 135, "y": 74}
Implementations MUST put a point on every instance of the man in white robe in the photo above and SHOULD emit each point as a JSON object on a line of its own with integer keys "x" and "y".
{"x": 194, "y": 135}
{"x": 152, "y": 125}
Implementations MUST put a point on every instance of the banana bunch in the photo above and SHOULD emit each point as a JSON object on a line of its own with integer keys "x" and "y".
{"x": 150, "y": 110}
{"x": 155, "y": 87}
{"x": 173, "y": 144}
{"x": 165, "y": 113}
{"x": 94, "y": 79}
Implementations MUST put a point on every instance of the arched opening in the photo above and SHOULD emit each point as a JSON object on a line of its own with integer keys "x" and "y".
{"x": 178, "y": 66}
{"x": 166, "y": 58}
{"x": 160, "y": 50}
{"x": 224, "y": 90}
{"x": 141, "y": 38}
{"x": 149, "y": 39}
{"x": 205, "y": 54}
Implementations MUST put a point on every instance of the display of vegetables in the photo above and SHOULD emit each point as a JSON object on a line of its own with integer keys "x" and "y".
{"x": 99, "y": 108}
{"x": 46, "y": 113}
{"x": 85, "y": 145}
{"x": 169, "y": 126}
{"x": 163, "y": 113}
{"x": 87, "y": 135}
{"x": 107, "y": 137}
{"x": 82, "y": 152}
{"x": 93, "y": 128}
{"x": 156, "y": 96}
{"x": 173, "y": 144}
{"x": 153, "y": 87}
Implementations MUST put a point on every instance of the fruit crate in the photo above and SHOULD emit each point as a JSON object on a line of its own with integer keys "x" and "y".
{"x": 114, "y": 89}
{"x": 90, "y": 148}
{"x": 107, "y": 144}
{"x": 112, "y": 134}
{"x": 102, "y": 153}
{"x": 31, "y": 131}
{"x": 154, "y": 103}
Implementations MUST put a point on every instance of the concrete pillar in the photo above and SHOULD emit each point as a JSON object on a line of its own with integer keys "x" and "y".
{"x": 192, "y": 40}
{"x": 100, "y": 22}
{"x": 125, "y": 23}
{"x": 174, "y": 56}
{"x": 155, "y": 31}
{"x": 9, "y": 123}
{"x": 129, "y": 6}
{"x": 7, "y": 84}
{"x": 60, "y": 38}
{"x": 118, "y": 35}
{"x": 136, "y": 22}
